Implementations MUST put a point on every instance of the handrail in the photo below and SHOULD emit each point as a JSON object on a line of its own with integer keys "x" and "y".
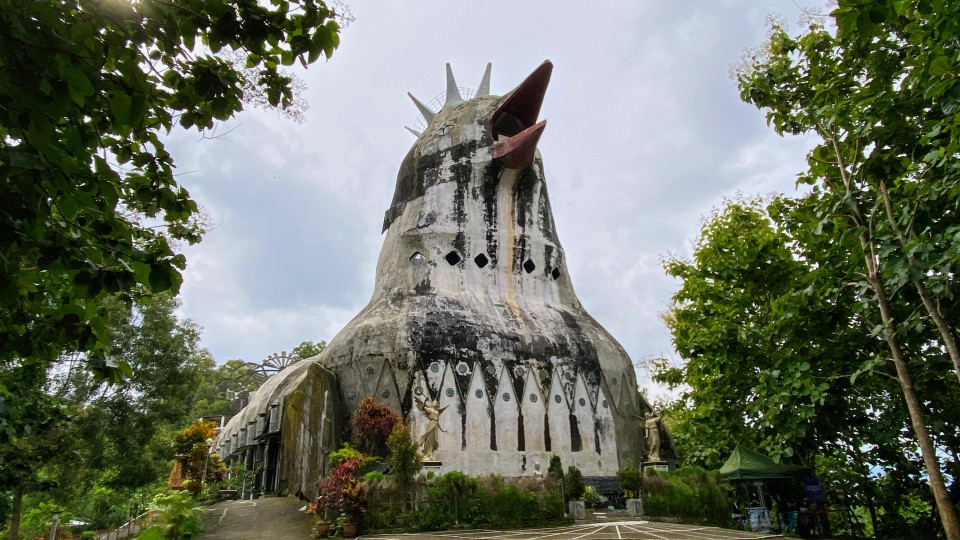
{"x": 127, "y": 530}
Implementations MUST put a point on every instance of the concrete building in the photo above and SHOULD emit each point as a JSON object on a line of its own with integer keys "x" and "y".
{"x": 473, "y": 313}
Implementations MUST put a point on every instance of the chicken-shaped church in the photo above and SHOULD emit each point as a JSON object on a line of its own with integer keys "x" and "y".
{"x": 474, "y": 331}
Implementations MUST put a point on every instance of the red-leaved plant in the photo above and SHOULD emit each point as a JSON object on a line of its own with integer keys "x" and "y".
{"x": 343, "y": 491}
{"x": 372, "y": 424}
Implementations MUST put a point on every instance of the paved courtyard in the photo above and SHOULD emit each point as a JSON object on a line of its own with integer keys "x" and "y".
{"x": 281, "y": 518}
{"x": 618, "y": 530}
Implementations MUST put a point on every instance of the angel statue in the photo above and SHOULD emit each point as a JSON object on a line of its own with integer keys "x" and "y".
{"x": 430, "y": 440}
{"x": 651, "y": 424}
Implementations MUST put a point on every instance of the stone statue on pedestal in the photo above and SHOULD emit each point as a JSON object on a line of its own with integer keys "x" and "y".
{"x": 652, "y": 425}
{"x": 430, "y": 440}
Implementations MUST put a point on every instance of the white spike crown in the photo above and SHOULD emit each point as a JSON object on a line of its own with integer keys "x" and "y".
{"x": 453, "y": 95}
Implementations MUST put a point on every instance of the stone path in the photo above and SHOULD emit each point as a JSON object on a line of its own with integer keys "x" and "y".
{"x": 280, "y": 518}
{"x": 274, "y": 518}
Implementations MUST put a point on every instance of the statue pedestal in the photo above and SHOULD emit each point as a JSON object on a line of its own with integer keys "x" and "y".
{"x": 655, "y": 465}
{"x": 578, "y": 510}
{"x": 635, "y": 507}
{"x": 432, "y": 465}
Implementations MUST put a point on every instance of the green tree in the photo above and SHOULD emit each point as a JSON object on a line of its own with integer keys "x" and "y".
{"x": 223, "y": 385}
{"x": 574, "y": 485}
{"x": 309, "y": 349}
{"x": 404, "y": 458}
{"x": 881, "y": 93}
{"x": 114, "y": 418}
{"x": 90, "y": 203}
{"x": 32, "y": 442}
{"x": 773, "y": 338}
{"x": 742, "y": 321}
{"x": 90, "y": 437}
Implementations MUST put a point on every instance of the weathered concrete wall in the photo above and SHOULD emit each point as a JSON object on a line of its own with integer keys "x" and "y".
{"x": 312, "y": 417}
{"x": 310, "y": 422}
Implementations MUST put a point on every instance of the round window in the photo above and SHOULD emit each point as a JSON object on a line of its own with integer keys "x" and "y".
{"x": 506, "y": 396}
{"x": 449, "y": 392}
{"x": 533, "y": 398}
{"x": 385, "y": 394}
{"x": 605, "y": 405}
{"x": 479, "y": 393}
{"x": 557, "y": 398}
{"x": 435, "y": 367}
{"x": 582, "y": 402}
{"x": 462, "y": 368}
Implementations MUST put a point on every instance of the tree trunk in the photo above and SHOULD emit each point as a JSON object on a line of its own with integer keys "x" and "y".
{"x": 15, "y": 511}
{"x": 946, "y": 333}
{"x": 948, "y": 514}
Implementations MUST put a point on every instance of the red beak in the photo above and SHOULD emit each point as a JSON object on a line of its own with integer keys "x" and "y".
{"x": 514, "y": 125}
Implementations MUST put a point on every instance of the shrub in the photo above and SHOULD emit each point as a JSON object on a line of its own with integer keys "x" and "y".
{"x": 152, "y": 533}
{"x": 457, "y": 499}
{"x": 573, "y": 484}
{"x": 631, "y": 479}
{"x": 590, "y": 496}
{"x": 372, "y": 424}
{"x": 688, "y": 492}
{"x": 179, "y": 516}
{"x": 347, "y": 451}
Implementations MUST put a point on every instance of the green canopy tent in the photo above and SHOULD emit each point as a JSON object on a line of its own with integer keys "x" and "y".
{"x": 747, "y": 465}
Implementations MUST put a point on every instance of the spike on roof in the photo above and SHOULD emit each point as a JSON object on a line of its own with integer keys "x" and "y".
{"x": 453, "y": 93}
{"x": 484, "y": 88}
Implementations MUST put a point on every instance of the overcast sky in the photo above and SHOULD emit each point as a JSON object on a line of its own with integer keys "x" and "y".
{"x": 646, "y": 134}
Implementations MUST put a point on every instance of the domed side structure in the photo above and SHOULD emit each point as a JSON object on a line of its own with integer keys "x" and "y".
{"x": 474, "y": 330}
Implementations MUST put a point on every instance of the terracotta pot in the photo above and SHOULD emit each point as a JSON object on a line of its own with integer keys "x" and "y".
{"x": 349, "y": 530}
{"x": 323, "y": 528}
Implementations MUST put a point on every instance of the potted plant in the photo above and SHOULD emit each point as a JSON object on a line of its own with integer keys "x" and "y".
{"x": 354, "y": 504}
{"x": 321, "y": 528}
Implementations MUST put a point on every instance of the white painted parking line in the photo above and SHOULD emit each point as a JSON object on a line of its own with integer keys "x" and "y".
{"x": 598, "y": 529}
{"x": 612, "y": 530}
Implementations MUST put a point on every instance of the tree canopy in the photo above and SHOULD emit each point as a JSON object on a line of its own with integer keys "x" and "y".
{"x": 91, "y": 210}
{"x": 89, "y": 203}
{"x": 878, "y": 229}
{"x": 774, "y": 339}
{"x": 742, "y": 321}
